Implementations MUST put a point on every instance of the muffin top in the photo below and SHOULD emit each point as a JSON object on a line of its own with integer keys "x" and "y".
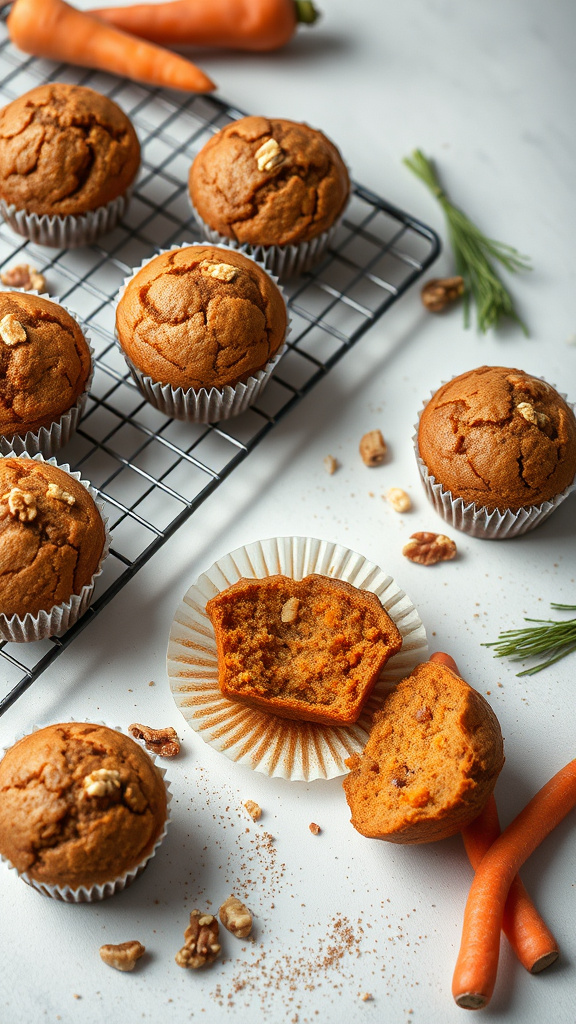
{"x": 500, "y": 438}
{"x": 65, "y": 149}
{"x": 201, "y": 317}
{"x": 269, "y": 182}
{"x": 44, "y": 362}
{"x": 80, "y": 804}
{"x": 51, "y": 536}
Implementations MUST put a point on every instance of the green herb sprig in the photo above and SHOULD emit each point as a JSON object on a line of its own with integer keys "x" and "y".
{"x": 551, "y": 639}
{"x": 474, "y": 256}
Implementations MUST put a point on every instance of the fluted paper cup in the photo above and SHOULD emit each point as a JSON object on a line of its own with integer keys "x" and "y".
{"x": 60, "y": 617}
{"x": 93, "y": 893}
{"x": 68, "y": 232}
{"x": 266, "y": 743}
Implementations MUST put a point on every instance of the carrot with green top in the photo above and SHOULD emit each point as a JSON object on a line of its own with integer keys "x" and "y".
{"x": 234, "y": 24}
{"x": 57, "y": 31}
{"x": 477, "y": 964}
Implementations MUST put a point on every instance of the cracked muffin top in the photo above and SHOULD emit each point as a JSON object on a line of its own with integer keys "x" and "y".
{"x": 80, "y": 804}
{"x": 201, "y": 317}
{"x": 500, "y": 438}
{"x": 51, "y": 536}
{"x": 44, "y": 362}
{"x": 269, "y": 182}
{"x": 65, "y": 149}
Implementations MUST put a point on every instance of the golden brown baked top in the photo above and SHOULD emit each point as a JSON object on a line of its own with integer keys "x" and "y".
{"x": 308, "y": 649}
{"x": 80, "y": 804}
{"x": 65, "y": 149}
{"x": 201, "y": 317}
{"x": 44, "y": 362}
{"x": 51, "y": 536}
{"x": 499, "y": 437}
{"x": 269, "y": 182}
{"x": 431, "y": 761}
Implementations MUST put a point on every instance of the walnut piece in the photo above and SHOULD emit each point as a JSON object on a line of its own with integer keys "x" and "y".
{"x": 441, "y": 292}
{"x": 330, "y": 464}
{"x": 236, "y": 917}
{"x": 531, "y": 415}
{"x": 254, "y": 809}
{"x": 102, "y": 782}
{"x": 373, "y": 448}
{"x": 269, "y": 155}
{"x": 429, "y": 548}
{"x": 221, "y": 271}
{"x": 122, "y": 956}
{"x": 290, "y": 608}
{"x": 163, "y": 742}
{"x": 57, "y": 492}
{"x": 399, "y": 500}
{"x": 25, "y": 277}
{"x": 12, "y": 331}
{"x": 314, "y": 828}
{"x": 21, "y": 504}
{"x": 201, "y": 944}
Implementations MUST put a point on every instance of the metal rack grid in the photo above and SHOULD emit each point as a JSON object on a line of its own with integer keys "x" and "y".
{"x": 152, "y": 472}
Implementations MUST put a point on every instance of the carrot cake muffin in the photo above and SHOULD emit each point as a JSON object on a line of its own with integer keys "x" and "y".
{"x": 200, "y": 317}
{"x": 80, "y": 805}
{"x": 498, "y": 439}
{"x": 51, "y": 536}
{"x": 45, "y": 365}
{"x": 431, "y": 761}
{"x": 65, "y": 152}
{"x": 270, "y": 183}
{"x": 309, "y": 649}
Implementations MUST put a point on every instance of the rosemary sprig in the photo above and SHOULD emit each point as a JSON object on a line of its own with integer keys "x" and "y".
{"x": 474, "y": 255}
{"x": 551, "y": 639}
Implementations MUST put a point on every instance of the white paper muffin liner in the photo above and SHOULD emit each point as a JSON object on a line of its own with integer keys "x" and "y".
{"x": 68, "y": 232}
{"x": 58, "y": 619}
{"x": 475, "y": 519}
{"x": 48, "y": 440}
{"x": 92, "y": 893}
{"x": 203, "y": 405}
{"x": 282, "y": 260}
{"x": 266, "y": 743}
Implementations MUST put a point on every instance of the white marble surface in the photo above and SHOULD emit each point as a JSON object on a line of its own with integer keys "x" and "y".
{"x": 488, "y": 90}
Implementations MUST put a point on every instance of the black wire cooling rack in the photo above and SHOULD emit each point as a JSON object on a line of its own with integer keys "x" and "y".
{"x": 152, "y": 472}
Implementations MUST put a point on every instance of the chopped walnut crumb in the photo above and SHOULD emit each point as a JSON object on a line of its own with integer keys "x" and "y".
{"x": 21, "y": 504}
{"x": 25, "y": 277}
{"x": 201, "y": 944}
{"x": 531, "y": 415}
{"x": 373, "y": 448}
{"x": 314, "y": 828}
{"x": 366, "y": 997}
{"x": 399, "y": 500}
{"x": 254, "y": 809}
{"x": 269, "y": 155}
{"x": 428, "y": 548}
{"x": 56, "y": 492}
{"x": 236, "y": 917}
{"x": 163, "y": 742}
{"x": 221, "y": 271}
{"x": 330, "y": 464}
{"x": 122, "y": 956}
{"x": 441, "y": 292}
{"x": 290, "y": 608}
{"x": 12, "y": 331}
{"x": 102, "y": 782}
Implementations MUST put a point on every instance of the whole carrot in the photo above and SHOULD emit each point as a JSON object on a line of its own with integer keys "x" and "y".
{"x": 234, "y": 24}
{"x": 529, "y": 936}
{"x": 477, "y": 964}
{"x": 54, "y": 29}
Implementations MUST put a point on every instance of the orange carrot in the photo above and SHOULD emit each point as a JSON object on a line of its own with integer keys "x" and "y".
{"x": 477, "y": 964}
{"x": 235, "y": 24}
{"x": 54, "y": 29}
{"x": 529, "y": 936}
{"x": 445, "y": 659}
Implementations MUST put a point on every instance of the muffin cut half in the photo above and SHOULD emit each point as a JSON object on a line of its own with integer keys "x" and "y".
{"x": 309, "y": 649}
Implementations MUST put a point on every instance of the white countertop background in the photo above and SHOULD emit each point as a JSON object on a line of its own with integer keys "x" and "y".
{"x": 488, "y": 90}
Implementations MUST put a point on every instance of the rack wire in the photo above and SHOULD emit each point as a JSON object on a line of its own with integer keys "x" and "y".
{"x": 150, "y": 471}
